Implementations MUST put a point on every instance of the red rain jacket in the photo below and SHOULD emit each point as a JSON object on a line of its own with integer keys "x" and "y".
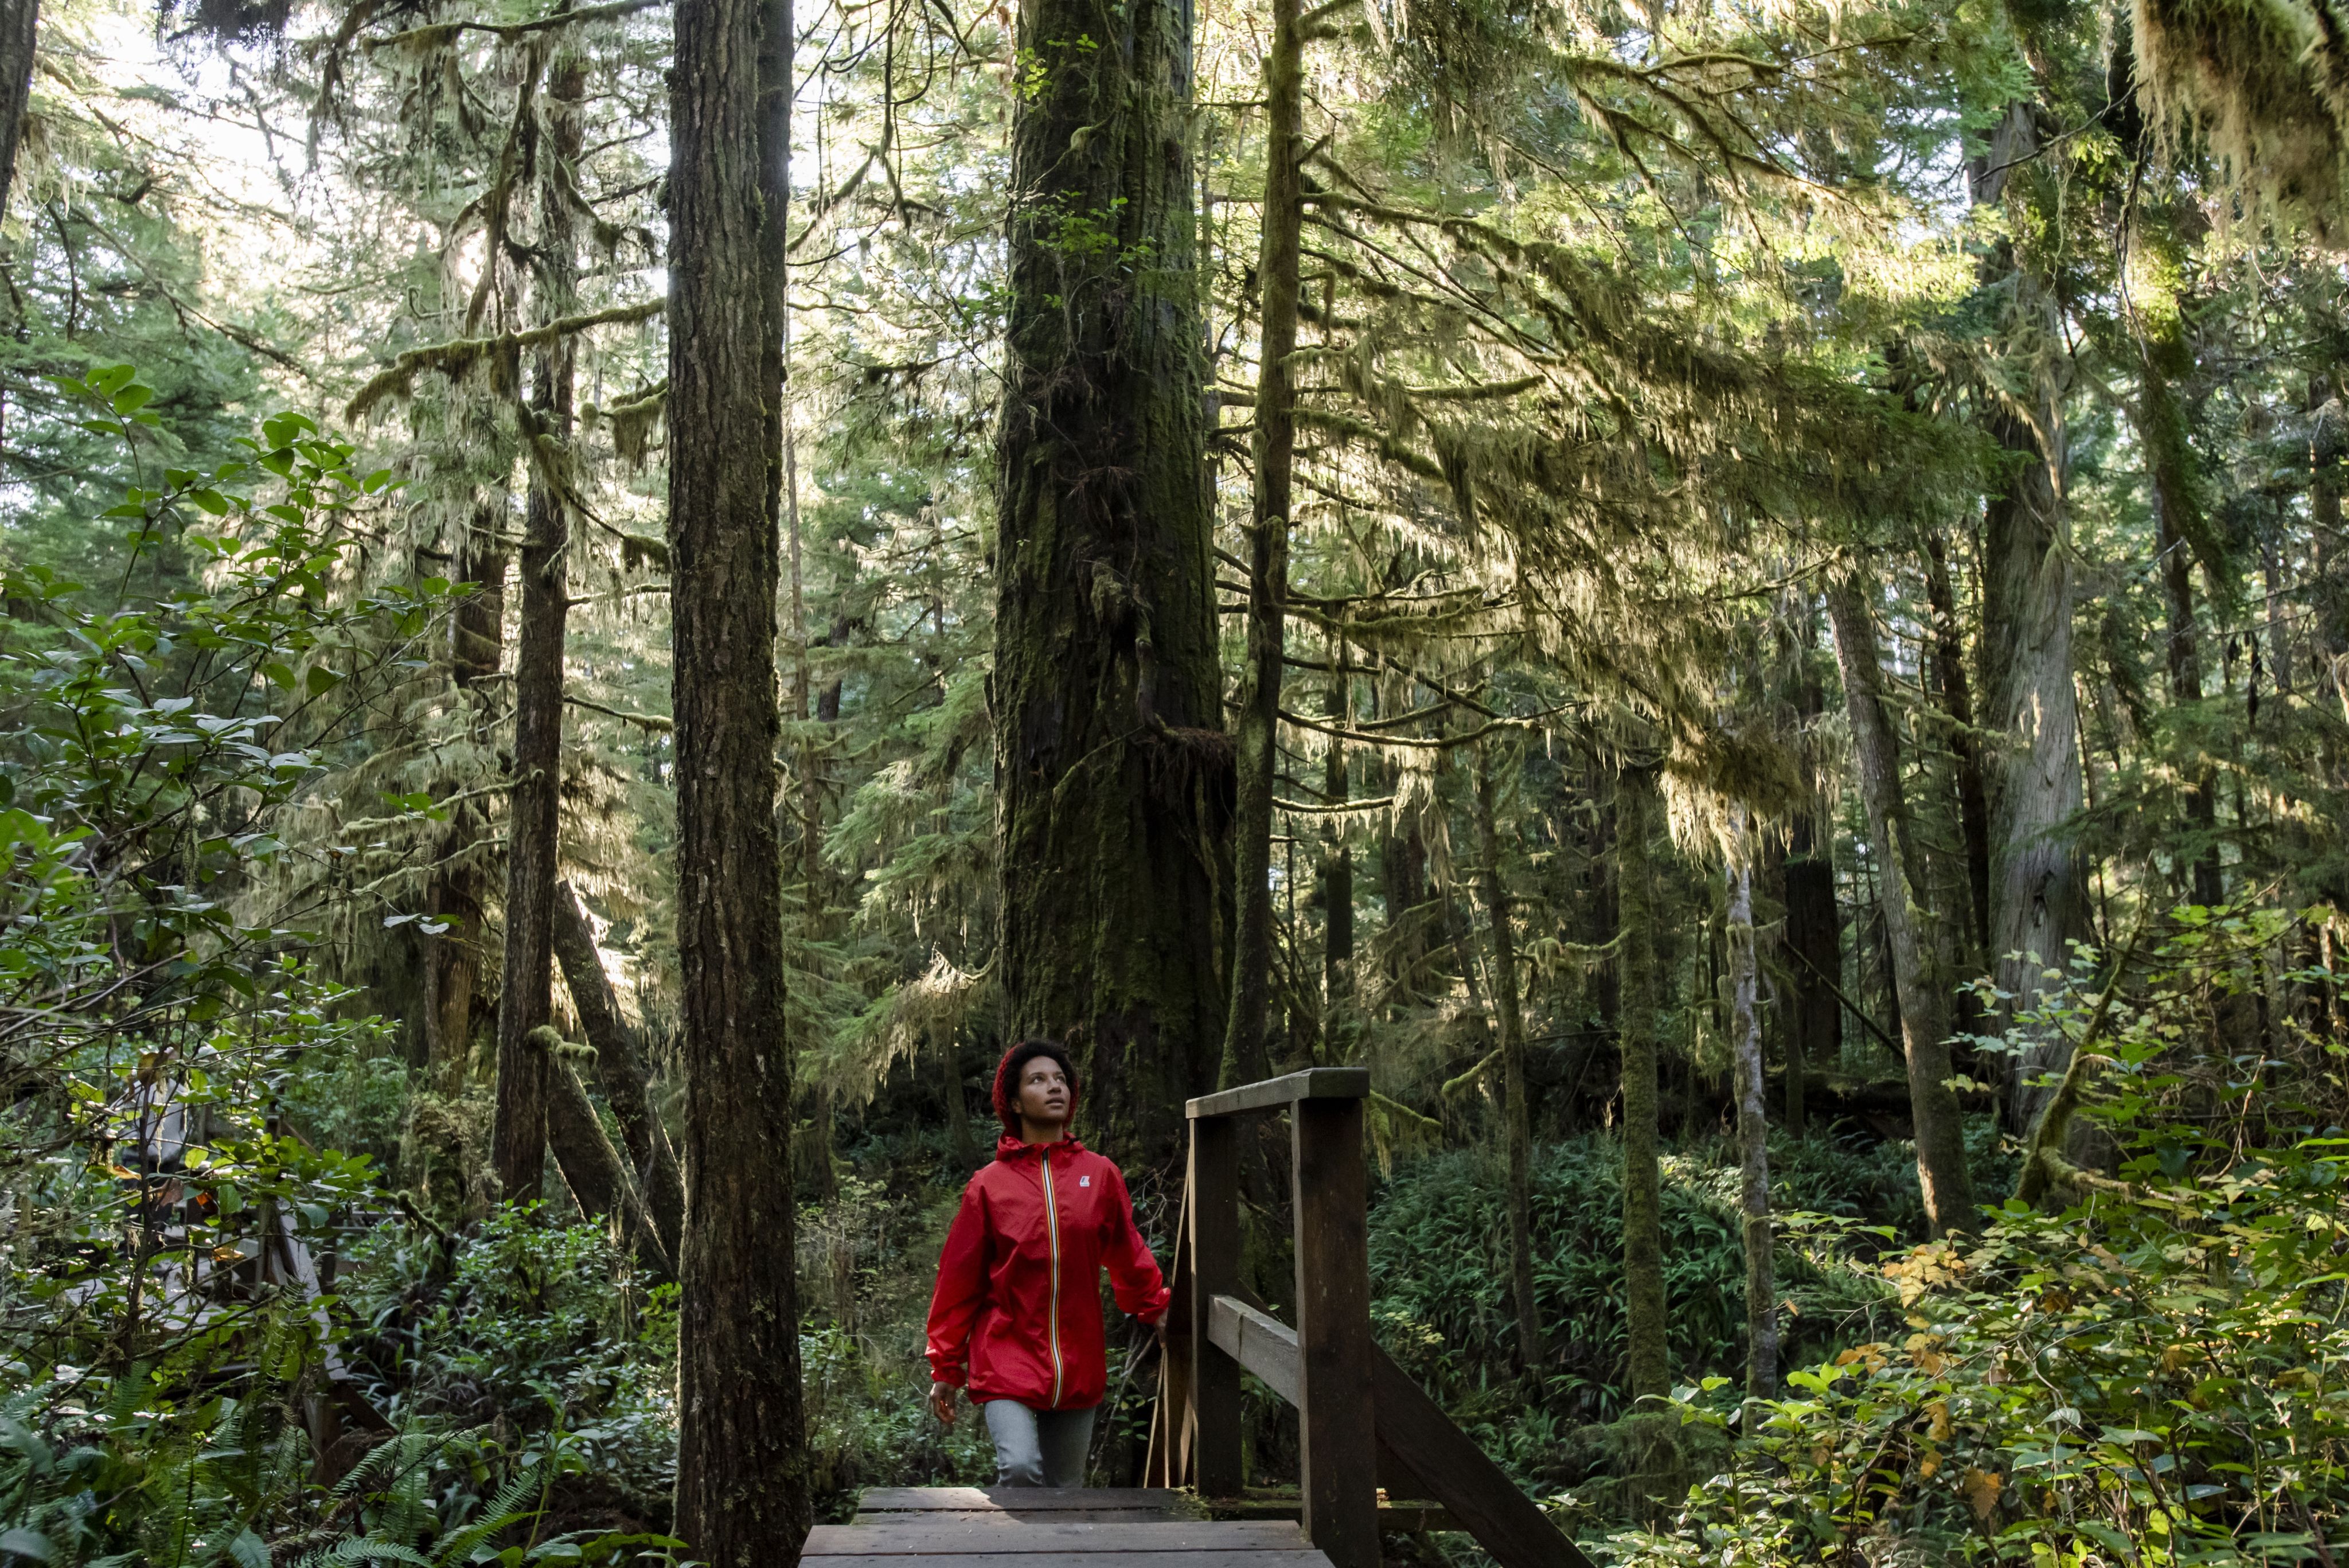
{"x": 1018, "y": 1291}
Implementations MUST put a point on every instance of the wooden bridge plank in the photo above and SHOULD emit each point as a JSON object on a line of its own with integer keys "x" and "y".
{"x": 1014, "y": 1551}
{"x": 942, "y": 1539}
{"x": 1026, "y": 1499}
{"x": 1012, "y": 1521}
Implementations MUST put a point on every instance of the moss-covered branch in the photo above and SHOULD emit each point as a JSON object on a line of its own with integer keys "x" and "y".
{"x": 455, "y": 358}
{"x": 438, "y": 35}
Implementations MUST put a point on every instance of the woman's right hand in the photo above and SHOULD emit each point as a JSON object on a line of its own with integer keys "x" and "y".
{"x": 942, "y": 1401}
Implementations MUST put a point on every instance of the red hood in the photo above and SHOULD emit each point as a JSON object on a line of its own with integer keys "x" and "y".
{"x": 1003, "y": 1110}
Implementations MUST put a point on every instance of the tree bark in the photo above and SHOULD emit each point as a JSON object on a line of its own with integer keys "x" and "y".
{"x": 2038, "y": 880}
{"x": 742, "y": 1483}
{"x": 1275, "y": 454}
{"x": 19, "y": 31}
{"x": 1515, "y": 1111}
{"x": 453, "y": 897}
{"x": 1920, "y": 982}
{"x": 1402, "y": 892}
{"x": 961, "y": 1143}
{"x": 1965, "y": 743}
{"x": 1115, "y": 777}
{"x": 1338, "y": 860}
{"x": 2328, "y": 632}
{"x": 1813, "y": 1024}
{"x": 592, "y": 1168}
{"x": 2163, "y": 435}
{"x": 620, "y": 1068}
{"x": 1645, "y": 1328}
{"x": 518, "y": 1140}
{"x": 1752, "y": 1123}
{"x": 1814, "y": 939}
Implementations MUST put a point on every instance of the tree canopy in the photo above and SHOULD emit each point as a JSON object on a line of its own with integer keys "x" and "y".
{"x": 1747, "y": 603}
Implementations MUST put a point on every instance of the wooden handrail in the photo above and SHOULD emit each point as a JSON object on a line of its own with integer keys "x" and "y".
{"x": 1258, "y": 1342}
{"x": 1362, "y": 1420}
{"x": 1273, "y": 1093}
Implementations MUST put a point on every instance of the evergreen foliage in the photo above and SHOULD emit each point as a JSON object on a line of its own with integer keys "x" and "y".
{"x": 1814, "y": 522}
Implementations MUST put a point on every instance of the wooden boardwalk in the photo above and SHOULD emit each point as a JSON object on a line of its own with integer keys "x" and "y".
{"x": 1368, "y": 1434}
{"x": 1041, "y": 1527}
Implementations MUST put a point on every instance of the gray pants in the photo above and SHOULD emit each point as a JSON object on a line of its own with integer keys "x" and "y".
{"x": 1037, "y": 1448}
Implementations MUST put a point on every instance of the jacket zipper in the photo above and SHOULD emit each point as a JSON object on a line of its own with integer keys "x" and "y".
{"x": 1052, "y": 1233}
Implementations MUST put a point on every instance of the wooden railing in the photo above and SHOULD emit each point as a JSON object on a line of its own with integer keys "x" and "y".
{"x": 1365, "y": 1425}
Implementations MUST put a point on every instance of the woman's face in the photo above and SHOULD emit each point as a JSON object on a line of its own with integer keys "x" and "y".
{"x": 1043, "y": 1093}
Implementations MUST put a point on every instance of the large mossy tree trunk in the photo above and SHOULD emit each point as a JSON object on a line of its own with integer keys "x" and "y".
{"x": 1274, "y": 450}
{"x": 1515, "y": 1110}
{"x": 534, "y": 831}
{"x": 742, "y": 1468}
{"x": 2039, "y": 890}
{"x": 1115, "y": 776}
{"x": 1921, "y": 977}
{"x": 1654, "y": 1427}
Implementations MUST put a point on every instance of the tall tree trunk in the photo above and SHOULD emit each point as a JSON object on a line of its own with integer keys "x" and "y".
{"x": 2039, "y": 890}
{"x": 1752, "y": 1123}
{"x": 1920, "y": 982}
{"x": 959, "y": 1141}
{"x": 1274, "y": 453}
{"x": 620, "y": 1068}
{"x": 1402, "y": 892}
{"x": 453, "y": 897}
{"x": 2164, "y": 436}
{"x": 1815, "y": 941}
{"x": 1115, "y": 777}
{"x": 517, "y": 1141}
{"x": 1814, "y": 926}
{"x": 1337, "y": 859}
{"x": 19, "y": 28}
{"x": 2328, "y": 632}
{"x": 1965, "y": 742}
{"x": 1515, "y": 1111}
{"x": 742, "y": 1468}
{"x": 1645, "y": 1329}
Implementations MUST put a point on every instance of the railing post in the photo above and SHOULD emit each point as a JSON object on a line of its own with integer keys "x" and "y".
{"x": 1214, "y": 1243}
{"x": 1340, "y": 1461}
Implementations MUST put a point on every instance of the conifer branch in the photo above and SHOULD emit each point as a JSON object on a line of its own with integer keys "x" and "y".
{"x": 1334, "y": 808}
{"x": 645, "y": 721}
{"x": 438, "y": 34}
{"x": 455, "y": 358}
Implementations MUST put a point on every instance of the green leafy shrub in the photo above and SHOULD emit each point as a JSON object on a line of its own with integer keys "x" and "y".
{"x": 2155, "y": 1372}
{"x": 1438, "y": 1245}
{"x": 163, "y": 1033}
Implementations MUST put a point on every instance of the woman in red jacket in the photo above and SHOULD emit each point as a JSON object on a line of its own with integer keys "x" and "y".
{"x": 1016, "y": 1317}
